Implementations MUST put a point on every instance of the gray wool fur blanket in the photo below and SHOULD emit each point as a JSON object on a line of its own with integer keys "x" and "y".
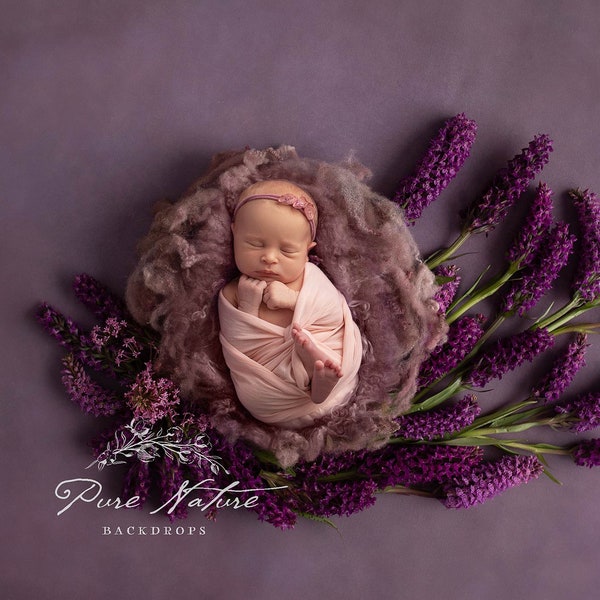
{"x": 363, "y": 246}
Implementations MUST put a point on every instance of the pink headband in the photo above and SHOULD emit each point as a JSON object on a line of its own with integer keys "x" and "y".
{"x": 298, "y": 202}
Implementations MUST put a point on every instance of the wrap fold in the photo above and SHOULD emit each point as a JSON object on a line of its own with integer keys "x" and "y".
{"x": 269, "y": 377}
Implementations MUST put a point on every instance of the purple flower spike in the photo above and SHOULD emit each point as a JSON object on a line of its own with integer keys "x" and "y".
{"x": 171, "y": 478}
{"x": 587, "y": 453}
{"x": 510, "y": 182}
{"x": 245, "y": 468}
{"x": 137, "y": 482}
{"x": 61, "y": 328}
{"x": 583, "y": 412}
{"x": 507, "y": 354}
{"x": 462, "y": 337}
{"x": 558, "y": 379}
{"x": 490, "y": 479}
{"x": 451, "y": 282}
{"x": 438, "y": 422}
{"x": 95, "y": 296}
{"x": 418, "y": 464}
{"x": 587, "y": 278}
{"x": 445, "y": 156}
{"x": 537, "y": 223}
{"x": 538, "y": 279}
{"x": 90, "y": 396}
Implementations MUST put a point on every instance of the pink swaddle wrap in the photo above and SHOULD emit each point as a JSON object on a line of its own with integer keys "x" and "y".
{"x": 269, "y": 377}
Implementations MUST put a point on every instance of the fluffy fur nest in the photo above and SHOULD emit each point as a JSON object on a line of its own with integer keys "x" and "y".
{"x": 365, "y": 248}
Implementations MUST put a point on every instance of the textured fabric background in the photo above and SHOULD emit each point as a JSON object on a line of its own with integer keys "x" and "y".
{"x": 106, "y": 107}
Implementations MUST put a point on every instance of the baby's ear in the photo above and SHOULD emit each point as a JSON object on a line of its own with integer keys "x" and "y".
{"x": 311, "y": 246}
{"x": 232, "y": 226}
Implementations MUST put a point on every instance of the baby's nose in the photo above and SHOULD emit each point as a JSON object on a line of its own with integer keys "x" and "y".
{"x": 270, "y": 257}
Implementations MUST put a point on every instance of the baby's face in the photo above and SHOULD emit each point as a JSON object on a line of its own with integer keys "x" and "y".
{"x": 271, "y": 241}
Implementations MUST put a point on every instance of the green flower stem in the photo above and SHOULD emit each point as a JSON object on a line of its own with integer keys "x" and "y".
{"x": 577, "y": 328}
{"x": 443, "y": 395}
{"x": 441, "y": 256}
{"x": 505, "y": 444}
{"x": 489, "y": 290}
{"x": 557, "y": 324}
{"x": 574, "y": 303}
{"x": 406, "y": 491}
{"x": 341, "y": 476}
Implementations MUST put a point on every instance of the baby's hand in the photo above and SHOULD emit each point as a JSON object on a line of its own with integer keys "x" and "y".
{"x": 250, "y": 294}
{"x": 278, "y": 295}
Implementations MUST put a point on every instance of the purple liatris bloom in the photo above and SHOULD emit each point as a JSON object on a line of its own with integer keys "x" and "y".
{"x": 418, "y": 465}
{"x": 340, "y": 498}
{"x": 582, "y": 413}
{"x": 95, "y": 296}
{"x": 438, "y": 422}
{"x": 507, "y": 354}
{"x": 330, "y": 486}
{"x": 537, "y": 223}
{"x": 137, "y": 482}
{"x": 558, "y": 379}
{"x": 541, "y": 273}
{"x": 89, "y": 395}
{"x": 490, "y": 479}
{"x": 462, "y": 337}
{"x": 587, "y": 453}
{"x": 170, "y": 479}
{"x": 61, "y": 328}
{"x": 152, "y": 398}
{"x": 445, "y": 156}
{"x": 449, "y": 283}
{"x": 587, "y": 278}
{"x": 508, "y": 184}
{"x": 274, "y": 506}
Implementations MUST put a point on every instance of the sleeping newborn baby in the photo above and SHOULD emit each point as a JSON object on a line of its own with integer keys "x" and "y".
{"x": 288, "y": 337}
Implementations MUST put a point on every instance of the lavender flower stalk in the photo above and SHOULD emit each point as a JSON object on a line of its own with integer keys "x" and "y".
{"x": 95, "y": 296}
{"x": 171, "y": 478}
{"x": 587, "y": 453}
{"x": 449, "y": 282}
{"x": 556, "y": 247}
{"x": 463, "y": 335}
{"x": 509, "y": 183}
{"x": 587, "y": 278}
{"x": 490, "y": 479}
{"x": 582, "y": 413}
{"x": 445, "y": 156}
{"x": 537, "y": 223}
{"x": 484, "y": 214}
{"x": 137, "y": 482}
{"x": 586, "y": 283}
{"x": 507, "y": 354}
{"x": 439, "y": 422}
{"x": 246, "y": 469}
{"x": 521, "y": 253}
{"x": 418, "y": 465}
{"x": 89, "y": 395}
{"x": 558, "y": 379}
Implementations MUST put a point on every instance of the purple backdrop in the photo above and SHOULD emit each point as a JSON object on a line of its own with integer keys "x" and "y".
{"x": 109, "y": 106}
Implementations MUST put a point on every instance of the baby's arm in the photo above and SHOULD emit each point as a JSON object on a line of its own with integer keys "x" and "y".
{"x": 277, "y": 295}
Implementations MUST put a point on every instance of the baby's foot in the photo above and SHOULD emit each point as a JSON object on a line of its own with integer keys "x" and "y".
{"x": 325, "y": 376}
{"x": 325, "y": 371}
{"x": 250, "y": 294}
